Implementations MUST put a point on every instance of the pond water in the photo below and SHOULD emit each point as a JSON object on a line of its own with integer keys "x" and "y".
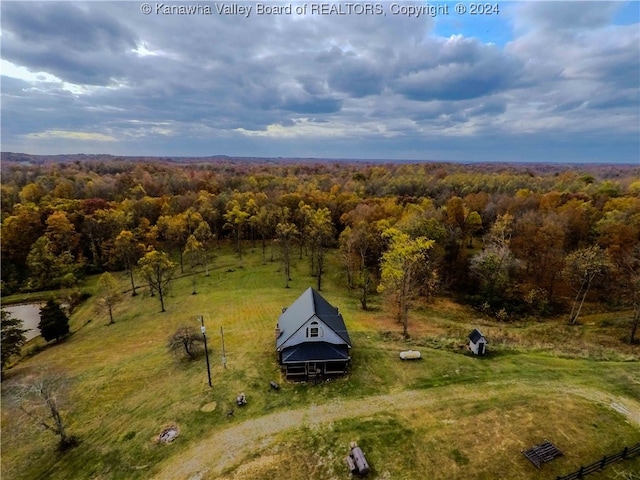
{"x": 29, "y": 313}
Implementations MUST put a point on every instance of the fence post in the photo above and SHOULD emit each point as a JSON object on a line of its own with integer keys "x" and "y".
{"x": 602, "y": 463}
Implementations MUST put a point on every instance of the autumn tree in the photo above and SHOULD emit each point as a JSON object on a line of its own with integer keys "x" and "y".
{"x": 175, "y": 231}
{"x": 39, "y": 399}
{"x": 538, "y": 243}
{"x": 263, "y": 222}
{"x": 54, "y": 323}
{"x": 363, "y": 237}
{"x": 61, "y": 233}
{"x": 13, "y": 337}
{"x": 205, "y": 204}
{"x": 129, "y": 251}
{"x": 493, "y": 266}
{"x": 286, "y": 232}
{"x": 361, "y": 248}
{"x": 348, "y": 254}
{"x": 32, "y": 193}
{"x": 629, "y": 266}
{"x": 577, "y": 217}
{"x": 619, "y": 228}
{"x": 252, "y": 206}
{"x": 321, "y": 231}
{"x": 109, "y": 295}
{"x": 582, "y": 267}
{"x": 48, "y": 269}
{"x": 19, "y": 232}
{"x": 460, "y": 224}
{"x": 43, "y": 263}
{"x": 421, "y": 220}
{"x": 194, "y": 252}
{"x": 618, "y": 232}
{"x": 398, "y": 266}
{"x": 203, "y": 234}
{"x": 626, "y": 265}
{"x": 236, "y": 218}
{"x": 158, "y": 270}
{"x": 100, "y": 229}
{"x": 302, "y": 219}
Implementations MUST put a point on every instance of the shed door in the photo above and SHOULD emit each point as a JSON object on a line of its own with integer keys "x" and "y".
{"x": 481, "y": 348}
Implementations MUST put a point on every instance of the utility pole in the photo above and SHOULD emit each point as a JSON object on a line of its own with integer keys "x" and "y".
{"x": 206, "y": 351}
{"x": 224, "y": 358}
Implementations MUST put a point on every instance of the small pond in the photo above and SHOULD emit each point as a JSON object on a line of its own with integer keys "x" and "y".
{"x": 29, "y": 313}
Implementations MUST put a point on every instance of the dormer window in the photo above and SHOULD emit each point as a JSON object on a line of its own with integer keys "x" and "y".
{"x": 314, "y": 330}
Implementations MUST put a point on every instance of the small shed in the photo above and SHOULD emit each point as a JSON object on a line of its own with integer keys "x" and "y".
{"x": 477, "y": 342}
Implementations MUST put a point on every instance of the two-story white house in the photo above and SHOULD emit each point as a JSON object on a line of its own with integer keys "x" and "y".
{"x": 311, "y": 338}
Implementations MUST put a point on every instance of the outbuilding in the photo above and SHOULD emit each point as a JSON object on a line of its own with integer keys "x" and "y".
{"x": 477, "y": 342}
{"x": 312, "y": 339}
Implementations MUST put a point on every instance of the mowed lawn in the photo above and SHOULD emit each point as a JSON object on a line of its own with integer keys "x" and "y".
{"x": 542, "y": 380}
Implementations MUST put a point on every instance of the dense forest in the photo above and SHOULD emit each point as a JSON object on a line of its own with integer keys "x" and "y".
{"x": 511, "y": 240}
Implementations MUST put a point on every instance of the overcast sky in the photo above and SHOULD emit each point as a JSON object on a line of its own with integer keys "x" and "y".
{"x": 539, "y": 81}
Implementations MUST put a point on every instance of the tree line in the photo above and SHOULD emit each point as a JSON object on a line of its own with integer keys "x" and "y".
{"x": 512, "y": 241}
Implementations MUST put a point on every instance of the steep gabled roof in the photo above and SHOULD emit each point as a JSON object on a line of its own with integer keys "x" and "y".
{"x": 307, "y": 305}
{"x": 475, "y": 335}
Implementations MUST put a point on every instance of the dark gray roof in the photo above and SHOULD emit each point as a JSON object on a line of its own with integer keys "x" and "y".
{"x": 307, "y": 305}
{"x": 475, "y": 335}
{"x": 318, "y": 351}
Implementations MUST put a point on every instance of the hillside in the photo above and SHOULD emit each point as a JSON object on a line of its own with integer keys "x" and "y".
{"x": 448, "y": 414}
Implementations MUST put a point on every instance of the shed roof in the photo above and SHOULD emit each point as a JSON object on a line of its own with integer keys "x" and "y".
{"x": 475, "y": 335}
{"x": 307, "y": 305}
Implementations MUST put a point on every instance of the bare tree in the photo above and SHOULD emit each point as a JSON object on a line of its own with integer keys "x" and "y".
{"x": 582, "y": 267}
{"x": 186, "y": 340}
{"x": 109, "y": 295}
{"x": 38, "y": 398}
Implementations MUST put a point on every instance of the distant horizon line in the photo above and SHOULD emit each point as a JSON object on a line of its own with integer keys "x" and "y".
{"x": 280, "y": 158}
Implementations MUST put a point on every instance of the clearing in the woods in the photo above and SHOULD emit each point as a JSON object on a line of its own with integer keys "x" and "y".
{"x": 450, "y": 414}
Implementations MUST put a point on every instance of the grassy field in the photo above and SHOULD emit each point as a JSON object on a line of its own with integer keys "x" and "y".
{"x": 450, "y": 415}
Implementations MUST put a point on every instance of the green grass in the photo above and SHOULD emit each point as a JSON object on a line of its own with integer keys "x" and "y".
{"x": 453, "y": 440}
{"x": 126, "y": 387}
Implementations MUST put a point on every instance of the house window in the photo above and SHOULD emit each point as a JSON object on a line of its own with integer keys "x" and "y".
{"x": 314, "y": 330}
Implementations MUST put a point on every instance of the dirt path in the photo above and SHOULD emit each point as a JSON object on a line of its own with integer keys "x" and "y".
{"x": 626, "y": 406}
{"x": 227, "y": 447}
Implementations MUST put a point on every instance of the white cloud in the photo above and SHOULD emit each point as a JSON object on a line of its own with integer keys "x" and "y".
{"x": 63, "y": 134}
